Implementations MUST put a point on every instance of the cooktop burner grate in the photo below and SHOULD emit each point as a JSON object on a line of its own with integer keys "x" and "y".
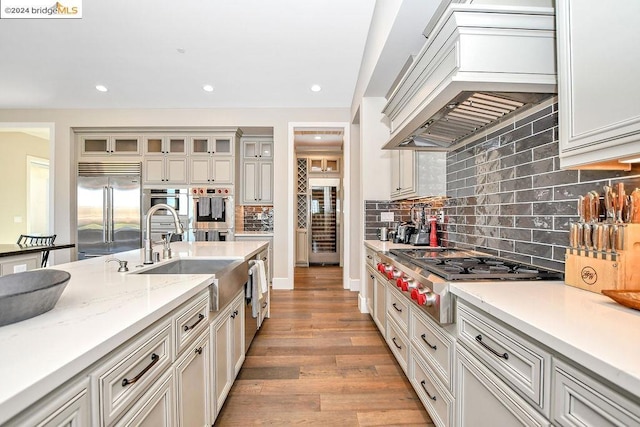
{"x": 454, "y": 264}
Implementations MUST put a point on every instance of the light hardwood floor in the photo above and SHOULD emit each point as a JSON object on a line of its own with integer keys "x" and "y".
{"x": 319, "y": 361}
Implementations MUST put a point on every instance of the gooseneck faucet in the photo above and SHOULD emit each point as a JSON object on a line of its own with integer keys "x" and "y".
{"x": 148, "y": 244}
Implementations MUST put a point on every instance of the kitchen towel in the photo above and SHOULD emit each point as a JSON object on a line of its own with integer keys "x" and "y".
{"x": 204, "y": 206}
{"x": 201, "y": 235}
{"x": 213, "y": 235}
{"x": 262, "y": 277}
{"x": 255, "y": 286}
{"x": 217, "y": 207}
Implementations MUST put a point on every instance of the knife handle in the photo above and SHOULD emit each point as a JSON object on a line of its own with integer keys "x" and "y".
{"x": 586, "y": 228}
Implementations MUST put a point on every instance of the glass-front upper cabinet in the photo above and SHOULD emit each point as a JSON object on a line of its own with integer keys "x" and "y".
{"x": 208, "y": 145}
{"x": 170, "y": 145}
{"x": 329, "y": 164}
{"x": 260, "y": 149}
{"x": 91, "y": 145}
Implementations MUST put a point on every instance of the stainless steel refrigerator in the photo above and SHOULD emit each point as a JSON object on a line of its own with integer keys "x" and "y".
{"x": 109, "y": 208}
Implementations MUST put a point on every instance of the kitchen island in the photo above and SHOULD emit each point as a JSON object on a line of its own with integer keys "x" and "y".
{"x": 15, "y": 258}
{"x": 99, "y": 310}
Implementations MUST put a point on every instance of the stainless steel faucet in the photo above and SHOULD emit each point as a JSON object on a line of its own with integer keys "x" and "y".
{"x": 148, "y": 244}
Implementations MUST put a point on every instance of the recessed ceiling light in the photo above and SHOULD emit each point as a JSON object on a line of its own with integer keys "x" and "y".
{"x": 317, "y": 137}
{"x": 101, "y": 88}
{"x": 316, "y": 88}
{"x": 207, "y": 88}
{"x": 181, "y": 50}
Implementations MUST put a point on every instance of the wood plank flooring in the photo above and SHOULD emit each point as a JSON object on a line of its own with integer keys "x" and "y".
{"x": 319, "y": 361}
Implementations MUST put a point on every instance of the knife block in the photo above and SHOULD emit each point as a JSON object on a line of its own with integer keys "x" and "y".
{"x": 597, "y": 270}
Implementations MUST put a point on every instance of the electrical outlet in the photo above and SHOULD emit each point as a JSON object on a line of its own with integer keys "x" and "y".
{"x": 386, "y": 216}
{"x": 440, "y": 217}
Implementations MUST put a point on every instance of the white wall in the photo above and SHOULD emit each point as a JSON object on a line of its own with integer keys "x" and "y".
{"x": 14, "y": 149}
{"x": 65, "y": 153}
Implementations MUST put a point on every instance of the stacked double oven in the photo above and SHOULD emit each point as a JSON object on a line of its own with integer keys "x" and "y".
{"x": 206, "y": 213}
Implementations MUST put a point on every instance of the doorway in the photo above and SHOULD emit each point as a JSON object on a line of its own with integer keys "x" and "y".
{"x": 37, "y": 196}
{"x": 320, "y": 150}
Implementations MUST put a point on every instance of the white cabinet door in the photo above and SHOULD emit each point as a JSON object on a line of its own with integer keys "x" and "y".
{"x": 165, "y": 170}
{"x": 249, "y": 182}
{"x": 222, "y": 170}
{"x": 380, "y": 304}
{"x": 599, "y": 116}
{"x": 228, "y": 347}
{"x": 483, "y": 400}
{"x": 200, "y": 170}
{"x": 176, "y": 170}
{"x": 193, "y": 382}
{"x": 266, "y": 182}
{"x": 257, "y": 182}
{"x": 154, "y": 170}
{"x": 369, "y": 284}
{"x": 402, "y": 173}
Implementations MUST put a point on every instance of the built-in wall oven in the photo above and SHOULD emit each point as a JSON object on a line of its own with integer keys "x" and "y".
{"x": 162, "y": 221}
{"x": 212, "y": 210}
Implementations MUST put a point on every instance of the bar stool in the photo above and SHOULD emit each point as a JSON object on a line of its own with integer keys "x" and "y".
{"x": 29, "y": 240}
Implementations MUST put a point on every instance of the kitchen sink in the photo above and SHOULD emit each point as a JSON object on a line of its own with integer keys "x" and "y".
{"x": 229, "y": 276}
{"x": 191, "y": 266}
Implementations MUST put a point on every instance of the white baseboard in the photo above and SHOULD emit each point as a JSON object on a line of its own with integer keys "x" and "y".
{"x": 282, "y": 283}
{"x": 362, "y": 304}
{"x": 354, "y": 285}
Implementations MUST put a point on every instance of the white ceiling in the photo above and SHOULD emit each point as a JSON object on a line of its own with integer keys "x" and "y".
{"x": 256, "y": 53}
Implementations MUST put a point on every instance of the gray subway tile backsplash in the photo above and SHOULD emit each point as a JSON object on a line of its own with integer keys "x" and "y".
{"x": 506, "y": 194}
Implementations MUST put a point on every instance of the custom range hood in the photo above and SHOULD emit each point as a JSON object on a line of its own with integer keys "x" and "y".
{"x": 480, "y": 66}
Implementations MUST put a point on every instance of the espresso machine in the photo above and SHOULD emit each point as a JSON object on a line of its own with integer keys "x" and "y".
{"x": 422, "y": 234}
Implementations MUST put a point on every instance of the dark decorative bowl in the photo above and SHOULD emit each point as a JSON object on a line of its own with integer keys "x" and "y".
{"x": 30, "y": 293}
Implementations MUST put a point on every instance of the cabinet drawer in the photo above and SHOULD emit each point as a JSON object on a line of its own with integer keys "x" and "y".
{"x": 125, "y": 377}
{"x": 369, "y": 257}
{"x": 519, "y": 362}
{"x": 155, "y": 408}
{"x": 398, "y": 308}
{"x": 484, "y": 400}
{"x": 398, "y": 343}
{"x": 435, "y": 346}
{"x": 583, "y": 401}
{"x": 434, "y": 396}
{"x": 191, "y": 321}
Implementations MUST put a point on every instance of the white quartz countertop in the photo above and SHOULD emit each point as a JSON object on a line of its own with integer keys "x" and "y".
{"x": 587, "y": 328}
{"x": 98, "y": 310}
{"x": 254, "y": 234}
{"x": 378, "y": 245}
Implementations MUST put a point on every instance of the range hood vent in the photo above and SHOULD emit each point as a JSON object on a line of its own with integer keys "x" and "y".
{"x": 467, "y": 114}
{"x": 480, "y": 66}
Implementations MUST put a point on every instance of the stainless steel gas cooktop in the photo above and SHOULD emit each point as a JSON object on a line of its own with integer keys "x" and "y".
{"x": 457, "y": 264}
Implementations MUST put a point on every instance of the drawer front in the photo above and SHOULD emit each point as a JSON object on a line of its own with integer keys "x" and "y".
{"x": 521, "y": 363}
{"x": 369, "y": 257}
{"x": 132, "y": 371}
{"x": 155, "y": 408}
{"x": 398, "y": 343}
{"x": 484, "y": 400}
{"x": 435, "y": 345}
{"x": 582, "y": 401}
{"x": 434, "y": 396}
{"x": 191, "y": 321}
{"x": 398, "y": 308}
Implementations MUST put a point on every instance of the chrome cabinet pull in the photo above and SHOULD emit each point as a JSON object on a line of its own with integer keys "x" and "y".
{"x": 396, "y": 307}
{"x": 423, "y": 384}
{"x": 396, "y": 344}
{"x": 154, "y": 360}
{"x": 424, "y": 338}
{"x": 187, "y": 327}
{"x": 505, "y": 356}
